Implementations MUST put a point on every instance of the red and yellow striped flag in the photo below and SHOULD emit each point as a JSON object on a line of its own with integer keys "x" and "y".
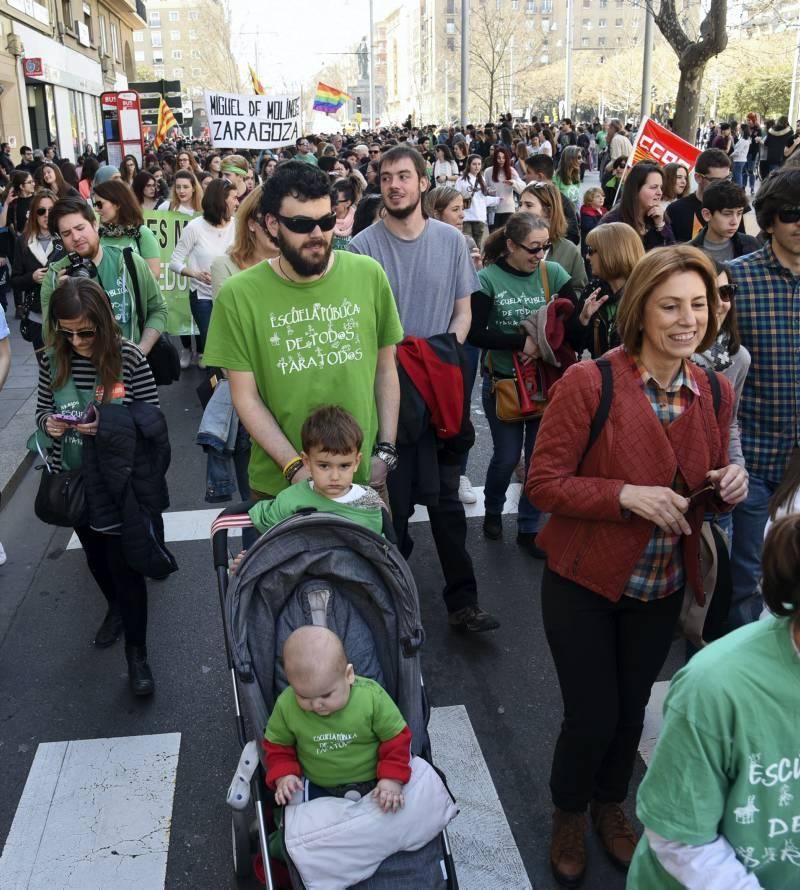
{"x": 166, "y": 121}
{"x": 257, "y": 86}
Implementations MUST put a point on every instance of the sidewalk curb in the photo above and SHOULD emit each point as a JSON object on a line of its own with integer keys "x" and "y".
{"x": 12, "y": 484}
{"x": 14, "y": 455}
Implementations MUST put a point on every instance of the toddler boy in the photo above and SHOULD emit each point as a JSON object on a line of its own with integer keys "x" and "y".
{"x": 333, "y": 727}
{"x": 331, "y": 440}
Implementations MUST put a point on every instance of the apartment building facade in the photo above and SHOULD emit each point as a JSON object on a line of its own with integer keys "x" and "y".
{"x": 56, "y": 58}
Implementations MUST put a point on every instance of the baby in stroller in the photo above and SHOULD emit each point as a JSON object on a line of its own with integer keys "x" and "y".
{"x": 342, "y": 732}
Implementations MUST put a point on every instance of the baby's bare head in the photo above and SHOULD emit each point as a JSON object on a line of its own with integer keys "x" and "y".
{"x": 313, "y": 657}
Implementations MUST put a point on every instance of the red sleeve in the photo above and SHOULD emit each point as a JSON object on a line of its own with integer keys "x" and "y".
{"x": 394, "y": 757}
{"x": 281, "y": 761}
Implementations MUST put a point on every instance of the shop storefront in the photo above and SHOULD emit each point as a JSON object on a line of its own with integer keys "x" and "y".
{"x": 62, "y": 92}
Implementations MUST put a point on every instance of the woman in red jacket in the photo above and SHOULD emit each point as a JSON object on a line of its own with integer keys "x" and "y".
{"x": 622, "y": 542}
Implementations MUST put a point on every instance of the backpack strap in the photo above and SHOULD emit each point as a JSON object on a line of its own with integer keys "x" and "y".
{"x": 716, "y": 391}
{"x": 604, "y": 406}
{"x": 127, "y": 256}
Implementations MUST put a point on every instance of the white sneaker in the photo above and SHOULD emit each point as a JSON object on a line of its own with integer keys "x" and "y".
{"x": 466, "y": 493}
{"x": 3, "y": 556}
{"x": 185, "y": 358}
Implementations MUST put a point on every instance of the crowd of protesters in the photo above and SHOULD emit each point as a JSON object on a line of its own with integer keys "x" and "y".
{"x": 638, "y": 360}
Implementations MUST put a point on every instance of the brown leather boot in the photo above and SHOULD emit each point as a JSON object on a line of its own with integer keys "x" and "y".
{"x": 568, "y": 847}
{"x": 616, "y": 832}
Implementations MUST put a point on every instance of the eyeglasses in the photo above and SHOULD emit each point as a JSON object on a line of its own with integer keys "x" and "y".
{"x": 41, "y": 211}
{"x": 533, "y": 251}
{"x": 86, "y": 334}
{"x": 374, "y": 151}
{"x": 714, "y": 179}
{"x": 727, "y": 292}
{"x": 228, "y": 184}
{"x": 304, "y": 225}
{"x": 789, "y": 215}
{"x": 590, "y": 251}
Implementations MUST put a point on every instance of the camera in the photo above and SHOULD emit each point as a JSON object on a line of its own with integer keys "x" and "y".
{"x": 80, "y": 267}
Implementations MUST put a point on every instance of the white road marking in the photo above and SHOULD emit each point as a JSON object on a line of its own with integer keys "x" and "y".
{"x": 194, "y": 525}
{"x": 484, "y": 849}
{"x": 653, "y": 718}
{"x": 94, "y": 814}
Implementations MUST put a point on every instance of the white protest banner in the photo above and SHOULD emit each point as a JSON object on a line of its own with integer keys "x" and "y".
{"x": 252, "y": 121}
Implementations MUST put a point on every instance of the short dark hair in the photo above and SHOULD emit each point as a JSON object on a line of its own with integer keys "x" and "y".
{"x": 725, "y": 196}
{"x": 541, "y": 164}
{"x": 67, "y": 206}
{"x": 711, "y": 157}
{"x": 779, "y": 190}
{"x": 294, "y": 179}
{"x": 24, "y": 149}
{"x": 121, "y": 194}
{"x": 398, "y": 152}
{"x": 366, "y": 211}
{"x": 780, "y": 565}
{"x": 215, "y": 208}
{"x": 332, "y": 429}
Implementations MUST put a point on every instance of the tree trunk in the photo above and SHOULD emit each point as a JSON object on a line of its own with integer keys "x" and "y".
{"x": 490, "y": 103}
{"x": 687, "y": 102}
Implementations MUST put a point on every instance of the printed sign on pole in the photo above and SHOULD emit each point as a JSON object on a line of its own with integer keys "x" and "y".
{"x": 122, "y": 126}
{"x": 660, "y": 146}
{"x": 252, "y": 121}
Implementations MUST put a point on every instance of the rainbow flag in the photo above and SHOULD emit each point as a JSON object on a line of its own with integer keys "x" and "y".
{"x": 329, "y": 99}
{"x": 257, "y": 87}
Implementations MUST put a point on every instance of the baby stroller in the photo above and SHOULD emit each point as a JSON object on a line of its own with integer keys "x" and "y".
{"x": 319, "y": 569}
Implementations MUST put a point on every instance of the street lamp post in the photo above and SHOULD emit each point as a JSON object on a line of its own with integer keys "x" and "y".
{"x": 464, "y": 62}
{"x": 568, "y": 75}
{"x": 371, "y": 65}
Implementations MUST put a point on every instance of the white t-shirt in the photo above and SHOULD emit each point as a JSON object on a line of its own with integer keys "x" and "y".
{"x": 4, "y": 331}
{"x": 199, "y": 245}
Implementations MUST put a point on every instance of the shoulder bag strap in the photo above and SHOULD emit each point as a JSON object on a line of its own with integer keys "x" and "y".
{"x": 604, "y": 406}
{"x": 127, "y": 255}
{"x": 716, "y": 391}
{"x": 545, "y": 281}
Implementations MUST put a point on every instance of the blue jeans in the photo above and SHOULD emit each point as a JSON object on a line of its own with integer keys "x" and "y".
{"x": 738, "y": 172}
{"x": 749, "y": 520}
{"x": 201, "y": 313}
{"x": 473, "y": 354}
{"x": 508, "y": 439}
{"x": 750, "y": 175}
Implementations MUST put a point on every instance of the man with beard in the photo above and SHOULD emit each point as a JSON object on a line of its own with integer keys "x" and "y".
{"x": 432, "y": 278}
{"x": 311, "y": 327}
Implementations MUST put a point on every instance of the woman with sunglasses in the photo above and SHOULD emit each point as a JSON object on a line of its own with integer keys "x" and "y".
{"x": 145, "y": 189}
{"x": 49, "y": 176}
{"x": 186, "y": 195}
{"x": 122, "y": 223}
{"x": 543, "y": 199}
{"x": 512, "y": 289}
{"x": 204, "y": 239}
{"x": 34, "y": 250}
{"x": 128, "y": 169}
{"x": 87, "y": 363}
{"x": 622, "y": 541}
{"x": 729, "y": 357}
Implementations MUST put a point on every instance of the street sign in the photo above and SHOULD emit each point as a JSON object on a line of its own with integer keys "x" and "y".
{"x": 122, "y": 126}
{"x": 33, "y": 67}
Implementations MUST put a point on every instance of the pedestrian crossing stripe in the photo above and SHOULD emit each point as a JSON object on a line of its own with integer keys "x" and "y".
{"x": 195, "y": 525}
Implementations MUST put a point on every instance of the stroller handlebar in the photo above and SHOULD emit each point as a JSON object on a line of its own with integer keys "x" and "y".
{"x": 233, "y": 517}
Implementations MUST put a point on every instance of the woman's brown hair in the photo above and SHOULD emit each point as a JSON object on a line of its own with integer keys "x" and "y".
{"x": 197, "y": 192}
{"x": 61, "y": 188}
{"x": 630, "y": 209}
{"x": 669, "y": 184}
{"x": 120, "y": 193}
{"x": 519, "y": 226}
{"x": 31, "y": 226}
{"x": 780, "y": 567}
{"x": 654, "y": 269}
{"x": 83, "y": 298}
{"x": 244, "y": 246}
{"x": 618, "y": 248}
{"x": 549, "y": 197}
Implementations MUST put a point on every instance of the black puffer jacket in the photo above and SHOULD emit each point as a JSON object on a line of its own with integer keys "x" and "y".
{"x": 124, "y": 468}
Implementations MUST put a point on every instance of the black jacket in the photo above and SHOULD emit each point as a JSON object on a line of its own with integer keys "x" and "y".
{"x": 124, "y": 468}
{"x": 742, "y": 243}
{"x": 601, "y": 333}
{"x": 24, "y": 264}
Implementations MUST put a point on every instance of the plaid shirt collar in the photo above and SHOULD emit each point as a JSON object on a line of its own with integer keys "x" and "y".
{"x": 684, "y": 377}
{"x": 774, "y": 264}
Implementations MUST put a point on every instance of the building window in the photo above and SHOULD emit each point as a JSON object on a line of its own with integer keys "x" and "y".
{"x": 601, "y": 41}
{"x": 602, "y": 23}
{"x": 138, "y": 55}
{"x": 197, "y": 72}
{"x": 175, "y": 35}
{"x": 174, "y": 15}
{"x": 138, "y": 36}
{"x": 155, "y": 38}
{"x": 196, "y": 54}
{"x": 103, "y": 37}
{"x": 177, "y": 73}
{"x": 194, "y": 15}
{"x": 545, "y": 25}
{"x": 154, "y": 19}
{"x": 635, "y": 23}
{"x": 587, "y": 4}
{"x": 603, "y": 4}
{"x": 544, "y": 59}
{"x": 451, "y": 44}
{"x": 66, "y": 14}
{"x": 158, "y": 57}
{"x": 515, "y": 5}
{"x": 451, "y": 7}
{"x": 177, "y": 55}
{"x": 193, "y": 35}
{"x": 584, "y": 41}
{"x": 618, "y": 23}
{"x": 547, "y": 7}
{"x": 116, "y": 43}
{"x": 530, "y": 7}
{"x": 587, "y": 24}
{"x": 87, "y": 21}
{"x": 158, "y": 71}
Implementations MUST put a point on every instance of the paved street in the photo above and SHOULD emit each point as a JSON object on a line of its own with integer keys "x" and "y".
{"x": 54, "y": 687}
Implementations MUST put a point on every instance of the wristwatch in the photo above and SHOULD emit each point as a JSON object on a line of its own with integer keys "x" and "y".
{"x": 386, "y": 452}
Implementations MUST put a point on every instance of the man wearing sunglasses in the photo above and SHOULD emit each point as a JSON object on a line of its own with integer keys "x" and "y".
{"x": 686, "y": 214}
{"x": 311, "y": 327}
{"x": 768, "y": 313}
{"x": 304, "y": 151}
{"x": 73, "y": 220}
{"x": 432, "y": 278}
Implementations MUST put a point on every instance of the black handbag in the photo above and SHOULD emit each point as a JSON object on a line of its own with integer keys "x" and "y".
{"x": 61, "y": 498}
{"x": 163, "y": 359}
